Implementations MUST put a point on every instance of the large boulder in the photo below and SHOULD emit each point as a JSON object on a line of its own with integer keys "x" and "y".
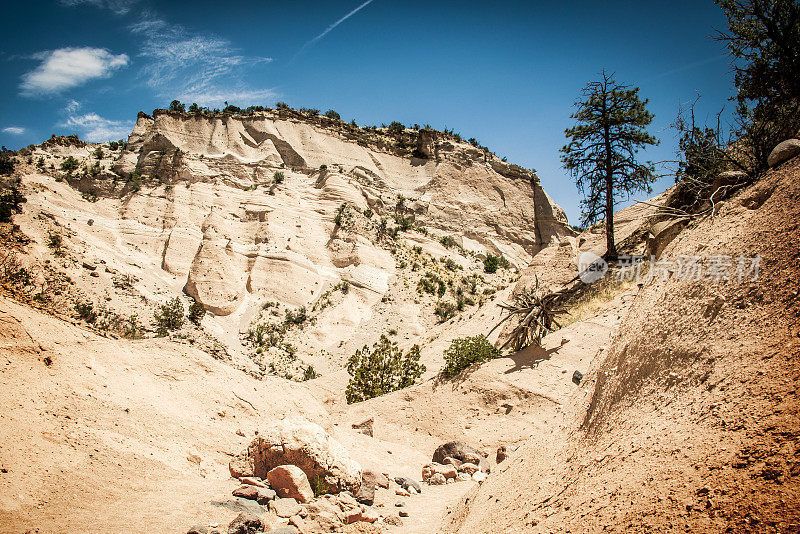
{"x": 303, "y": 444}
{"x": 246, "y": 523}
{"x": 458, "y": 450}
{"x": 290, "y": 481}
{"x": 784, "y": 152}
{"x": 447, "y": 471}
{"x": 366, "y": 493}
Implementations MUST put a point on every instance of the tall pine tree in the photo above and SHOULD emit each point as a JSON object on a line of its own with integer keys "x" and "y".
{"x": 601, "y": 154}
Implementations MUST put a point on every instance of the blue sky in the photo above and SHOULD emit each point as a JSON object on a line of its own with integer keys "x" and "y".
{"x": 506, "y": 73}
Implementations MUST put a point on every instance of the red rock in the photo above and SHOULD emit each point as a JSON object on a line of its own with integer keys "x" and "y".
{"x": 291, "y": 481}
{"x": 246, "y": 492}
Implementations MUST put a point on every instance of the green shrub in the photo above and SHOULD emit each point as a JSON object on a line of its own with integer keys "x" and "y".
{"x": 309, "y": 373}
{"x": 169, "y": 316}
{"x": 86, "y": 311}
{"x": 395, "y": 129}
{"x": 333, "y": 115}
{"x": 381, "y": 369}
{"x": 466, "y": 351}
{"x": 196, "y": 312}
{"x": 11, "y": 201}
{"x": 278, "y": 177}
{"x": 69, "y": 165}
{"x": 403, "y": 223}
{"x": 6, "y": 165}
{"x": 368, "y": 213}
{"x": 297, "y": 316}
{"x": 447, "y": 241}
{"x": 98, "y": 153}
{"x": 492, "y": 262}
{"x": 56, "y": 243}
{"x": 444, "y": 310}
{"x": 176, "y": 105}
{"x": 431, "y": 283}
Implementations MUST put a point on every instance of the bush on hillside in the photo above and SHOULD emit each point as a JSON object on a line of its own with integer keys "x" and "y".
{"x": 11, "y": 200}
{"x": 6, "y": 165}
{"x": 196, "y": 312}
{"x": 69, "y": 165}
{"x": 169, "y": 316}
{"x": 492, "y": 262}
{"x": 381, "y": 369}
{"x": 464, "y": 352}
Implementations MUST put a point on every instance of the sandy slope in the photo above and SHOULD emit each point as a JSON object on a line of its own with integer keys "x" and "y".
{"x": 123, "y": 424}
{"x": 121, "y": 436}
{"x": 693, "y": 422}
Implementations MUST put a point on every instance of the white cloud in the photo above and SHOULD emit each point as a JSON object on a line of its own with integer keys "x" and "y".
{"x": 119, "y": 7}
{"x": 69, "y": 67}
{"x": 196, "y": 68}
{"x": 72, "y": 107}
{"x": 14, "y": 130}
{"x": 95, "y": 128}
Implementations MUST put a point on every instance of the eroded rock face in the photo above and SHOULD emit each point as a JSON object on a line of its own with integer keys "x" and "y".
{"x": 302, "y": 444}
{"x": 513, "y": 214}
{"x": 213, "y": 279}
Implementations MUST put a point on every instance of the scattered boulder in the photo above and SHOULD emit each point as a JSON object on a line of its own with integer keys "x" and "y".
{"x": 265, "y": 495}
{"x": 577, "y": 376}
{"x": 285, "y": 507}
{"x": 403, "y": 513}
{"x": 246, "y": 524}
{"x": 447, "y": 471}
{"x": 479, "y": 476}
{"x": 458, "y": 450}
{"x": 463, "y": 477}
{"x": 301, "y": 524}
{"x": 452, "y": 461}
{"x": 357, "y": 515}
{"x": 382, "y": 480}
{"x": 246, "y": 492}
{"x": 661, "y": 234}
{"x": 365, "y": 427}
{"x": 501, "y": 454}
{"x": 408, "y": 484}
{"x": 468, "y": 468}
{"x": 728, "y": 178}
{"x": 437, "y": 479}
{"x": 253, "y": 481}
{"x": 393, "y": 520}
{"x": 784, "y": 152}
{"x": 303, "y": 444}
{"x": 291, "y": 481}
{"x": 366, "y": 492}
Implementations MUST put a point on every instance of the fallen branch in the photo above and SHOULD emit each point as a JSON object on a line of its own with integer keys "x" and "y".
{"x": 244, "y": 400}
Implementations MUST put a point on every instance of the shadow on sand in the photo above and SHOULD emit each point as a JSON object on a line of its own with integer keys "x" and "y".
{"x": 529, "y": 358}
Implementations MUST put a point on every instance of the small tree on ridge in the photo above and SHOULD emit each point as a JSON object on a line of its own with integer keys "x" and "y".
{"x": 601, "y": 154}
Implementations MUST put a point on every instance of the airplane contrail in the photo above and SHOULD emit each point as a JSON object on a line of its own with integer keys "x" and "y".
{"x": 332, "y": 26}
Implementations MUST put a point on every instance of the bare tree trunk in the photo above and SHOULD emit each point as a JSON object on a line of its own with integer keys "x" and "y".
{"x": 611, "y": 249}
